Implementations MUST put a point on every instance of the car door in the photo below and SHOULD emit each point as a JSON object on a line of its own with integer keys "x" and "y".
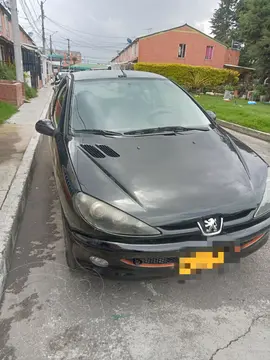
{"x": 57, "y": 117}
{"x": 61, "y": 160}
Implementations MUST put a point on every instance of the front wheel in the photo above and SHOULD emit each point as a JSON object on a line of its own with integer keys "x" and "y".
{"x": 70, "y": 258}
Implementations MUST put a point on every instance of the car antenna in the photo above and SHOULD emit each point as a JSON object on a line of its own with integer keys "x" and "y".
{"x": 123, "y": 74}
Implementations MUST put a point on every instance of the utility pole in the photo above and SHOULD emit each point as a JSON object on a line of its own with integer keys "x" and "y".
{"x": 16, "y": 40}
{"x": 68, "y": 54}
{"x": 51, "y": 50}
{"x": 43, "y": 29}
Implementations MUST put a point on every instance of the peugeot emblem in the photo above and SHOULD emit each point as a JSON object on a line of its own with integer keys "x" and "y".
{"x": 211, "y": 226}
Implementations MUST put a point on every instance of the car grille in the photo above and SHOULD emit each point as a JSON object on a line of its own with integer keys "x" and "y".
{"x": 236, "y": 216}
{"x": 151, "y": 262}
{"x": 154, "y": 261}
{"x": 230, "y": 221}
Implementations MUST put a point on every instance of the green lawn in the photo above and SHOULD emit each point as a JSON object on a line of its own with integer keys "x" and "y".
{"x": 6, "y": 110}
{"x": 238, "y": 111}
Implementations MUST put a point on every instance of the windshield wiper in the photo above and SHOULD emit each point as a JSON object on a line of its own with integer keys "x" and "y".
{"x": 99, "y": 132}
{"x": 173, "y": 129}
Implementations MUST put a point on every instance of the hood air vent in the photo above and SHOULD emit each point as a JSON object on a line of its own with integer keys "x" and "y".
{"x": 99, "y": 151}
{"x": 93, "y": 151}
{"x": 108, "y": 151}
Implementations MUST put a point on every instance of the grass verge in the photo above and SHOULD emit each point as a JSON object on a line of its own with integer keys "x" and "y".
{"x": 238, "y": 112}
{"x": 6, "y": 111}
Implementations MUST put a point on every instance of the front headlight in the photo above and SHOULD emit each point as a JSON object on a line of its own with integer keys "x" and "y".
{"x": 265, "y": 203}
{"x": 109, "y": 219}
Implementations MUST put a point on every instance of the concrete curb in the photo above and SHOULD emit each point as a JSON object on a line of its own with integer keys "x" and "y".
{"x": 14, "y": 204}
{"x": 244, "y": 130}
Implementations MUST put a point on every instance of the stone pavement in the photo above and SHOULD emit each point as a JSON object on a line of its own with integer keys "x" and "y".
{"x": 15, "y": 135}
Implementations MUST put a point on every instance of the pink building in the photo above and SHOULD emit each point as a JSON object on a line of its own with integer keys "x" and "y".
{"x": 181, "y": 45}
{"x": 6, "y": 37}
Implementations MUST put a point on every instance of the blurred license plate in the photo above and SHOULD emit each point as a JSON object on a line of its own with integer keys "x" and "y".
{"x": 200, "y": 260}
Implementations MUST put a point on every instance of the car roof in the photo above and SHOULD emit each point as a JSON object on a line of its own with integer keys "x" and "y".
{"x": 113, "y": 74}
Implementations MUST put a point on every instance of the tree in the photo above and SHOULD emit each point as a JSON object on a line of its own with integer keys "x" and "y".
{"x": 236, "y": 34}
{"x": 255, "y": 30}
{"x": 223, "y": 21}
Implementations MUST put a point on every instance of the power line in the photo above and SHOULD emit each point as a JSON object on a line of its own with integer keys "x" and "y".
{"x": 33, "y": 7}
{"x": 33, "y": 26}
{"x": 89, "y": 44}
{"x": 29, "y": 13}
{"x": 77, "y": 45}
{"x": 84, "y": 32}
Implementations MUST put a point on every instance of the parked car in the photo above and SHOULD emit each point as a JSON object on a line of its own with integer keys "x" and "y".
{"x": 62, "y": 74}
{"x": 149, "y": 183}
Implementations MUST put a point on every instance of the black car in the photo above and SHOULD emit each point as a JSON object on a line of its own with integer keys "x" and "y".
{"x": 149, "y": 184}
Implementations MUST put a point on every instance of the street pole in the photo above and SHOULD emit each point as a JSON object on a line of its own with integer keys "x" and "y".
{"x": 43, "y": 29}
{"x": 68, "y": 53}
{"x": 51, "y": 45}
{"x": 51, "y": 48}
{"x": 16, "y": 40}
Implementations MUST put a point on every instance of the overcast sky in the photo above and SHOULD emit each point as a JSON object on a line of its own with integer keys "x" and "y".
{"x": 98, "y": 28}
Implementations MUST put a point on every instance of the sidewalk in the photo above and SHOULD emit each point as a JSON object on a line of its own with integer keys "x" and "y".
{"x": 18, "y": 143}
{"x": 15, "y": 135}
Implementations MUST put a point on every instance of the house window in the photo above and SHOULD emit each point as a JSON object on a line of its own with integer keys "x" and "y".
{"x": 209, "y": 52}
{"x": 182, "y": 50}
{"x": 1, "y": 25}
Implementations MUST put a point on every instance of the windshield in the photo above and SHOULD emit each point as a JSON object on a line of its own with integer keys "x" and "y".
{"x": 125, "y": 105}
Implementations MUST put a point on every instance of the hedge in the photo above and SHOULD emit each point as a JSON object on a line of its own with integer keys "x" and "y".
{"x": 7, "y": 71}
{"x": 192, "y": 77}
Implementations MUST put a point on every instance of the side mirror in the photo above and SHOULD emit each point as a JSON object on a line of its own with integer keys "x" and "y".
{"x": 212, "y": 115}
{"x": 45, "y": 127}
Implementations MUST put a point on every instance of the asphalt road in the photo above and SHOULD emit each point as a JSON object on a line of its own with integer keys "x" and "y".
{"x": 49, "y": 312}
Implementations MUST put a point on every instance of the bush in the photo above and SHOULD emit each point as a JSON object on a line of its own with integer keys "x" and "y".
{"x": 229, "y": 88}
{"x": 29, "y": 92}
{"x": 192, "y": 77}
{"x": 261, "y": 89}
{"x": 7, "y": 71}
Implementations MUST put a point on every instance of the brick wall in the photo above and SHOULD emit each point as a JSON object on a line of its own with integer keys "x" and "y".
{"x": 163, "y": 47}
{"x": 12, "y": 92}
{"x": 6, "y": 28}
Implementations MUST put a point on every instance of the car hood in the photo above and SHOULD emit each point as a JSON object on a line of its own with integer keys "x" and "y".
{"x": 161, "y": 179}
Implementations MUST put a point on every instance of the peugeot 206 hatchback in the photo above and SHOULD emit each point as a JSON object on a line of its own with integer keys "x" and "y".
{"x": 149, "y": 183}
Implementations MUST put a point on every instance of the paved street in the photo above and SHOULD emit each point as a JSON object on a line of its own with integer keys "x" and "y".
{"x": 49, "y": 312}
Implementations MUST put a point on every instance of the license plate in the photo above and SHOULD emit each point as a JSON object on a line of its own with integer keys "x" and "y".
{"x": 200, "y": 260}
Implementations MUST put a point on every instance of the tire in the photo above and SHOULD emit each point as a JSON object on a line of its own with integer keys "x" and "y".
{"x": 70, "y": 258}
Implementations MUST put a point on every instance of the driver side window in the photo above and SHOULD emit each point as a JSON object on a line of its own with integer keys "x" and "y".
{"x": 58, "y": 110}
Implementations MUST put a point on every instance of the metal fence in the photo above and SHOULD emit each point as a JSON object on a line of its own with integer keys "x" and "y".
{"x": 32, "y": 63}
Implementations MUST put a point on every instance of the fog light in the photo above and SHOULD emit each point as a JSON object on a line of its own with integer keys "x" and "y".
{"x": 98, "y": 261}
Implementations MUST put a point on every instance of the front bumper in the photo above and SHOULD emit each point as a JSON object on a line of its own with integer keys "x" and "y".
{"x": 124, "y": 258}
